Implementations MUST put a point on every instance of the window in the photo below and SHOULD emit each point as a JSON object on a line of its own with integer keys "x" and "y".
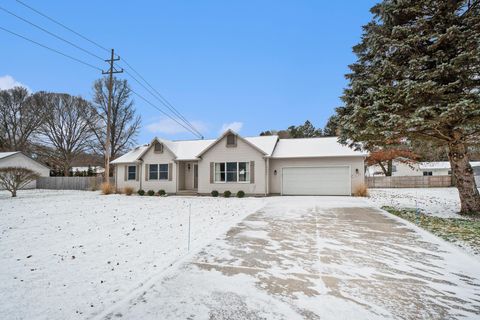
{"x": 243, "y": 171}
{"x": 132, "y": 172}
{"x": 158, "y": 148}
{"x": 232, "y": 172}
{"x": 163, "y": 171}
{"x": 231, "y": 140}
{"x": 427, "y": 173}
{"x": 449, "y": 172}
{"x": 220, "y": 171}
{"x": 153, "y": 172}
{"x": 394, "y": 168}
{"x": 158, "y": 171}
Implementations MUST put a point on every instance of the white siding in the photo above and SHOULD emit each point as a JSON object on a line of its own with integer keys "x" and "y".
{"x": 21, "y": 160}
{"x": 353, "y": 162}
{"x": 150, "y": 157}
{"x": 220, "y": 153}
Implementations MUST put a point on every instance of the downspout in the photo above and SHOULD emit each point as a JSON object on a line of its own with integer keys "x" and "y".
{"x": 267, "y": 175}
{"x": 140, "y": 167}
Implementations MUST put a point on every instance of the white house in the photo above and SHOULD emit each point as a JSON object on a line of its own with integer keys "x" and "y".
{"x": 256, "y": 165}
{"x": 434, "y": 168}
{"x": 18, "y": 159}
{"x": 97, "y": 170}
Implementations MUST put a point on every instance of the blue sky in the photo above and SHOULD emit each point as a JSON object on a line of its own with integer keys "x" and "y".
{"x": 250, "y": 65}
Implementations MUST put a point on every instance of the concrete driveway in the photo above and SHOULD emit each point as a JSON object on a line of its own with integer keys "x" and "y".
{"x": 315, "y": 258}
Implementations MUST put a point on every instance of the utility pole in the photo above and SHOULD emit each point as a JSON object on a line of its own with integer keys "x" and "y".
{"x": 110, "y": 72}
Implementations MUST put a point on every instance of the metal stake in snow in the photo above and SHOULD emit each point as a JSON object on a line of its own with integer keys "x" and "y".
{"x": 417, "y": 212}
{"x": 189, "y": 218}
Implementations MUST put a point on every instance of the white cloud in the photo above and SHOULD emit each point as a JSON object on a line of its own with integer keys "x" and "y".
{"x": 235, "y": 126}
{"x": 8, "y": 82}
{"x": 168, "y": 126}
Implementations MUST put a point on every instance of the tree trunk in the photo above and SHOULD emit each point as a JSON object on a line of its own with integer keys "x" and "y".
{"x": 14, "y": 193}
{"x": 385, "y": 172}
{"x": 465, "y": 180}
{"x": 390, "y": 168}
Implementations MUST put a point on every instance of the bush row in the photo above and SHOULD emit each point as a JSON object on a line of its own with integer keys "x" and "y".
{"x": 228, "y": 194}
{"x": 160, "y": 192}
{"x": 109, "y": 189}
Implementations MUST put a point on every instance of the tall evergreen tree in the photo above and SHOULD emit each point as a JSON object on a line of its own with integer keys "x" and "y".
{"x": 417, "y": 77}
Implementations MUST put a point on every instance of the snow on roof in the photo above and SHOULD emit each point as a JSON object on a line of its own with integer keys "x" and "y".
{"x": 131, "y": 156}
{"x": 313, "y": 147}
{"x": 7, "y": 154}
{"x": 189, "y": 149}
{"x": 264, "y": 143}
{"x": 439, "y": 165}
{"x": 285, "y": 148}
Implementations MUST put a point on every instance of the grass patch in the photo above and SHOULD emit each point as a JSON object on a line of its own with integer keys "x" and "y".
{"x": 462, "y": 232}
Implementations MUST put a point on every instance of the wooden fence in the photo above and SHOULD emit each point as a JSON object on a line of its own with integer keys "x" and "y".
{"x": 70, "y": 183}
{"x": 409, "y": 182}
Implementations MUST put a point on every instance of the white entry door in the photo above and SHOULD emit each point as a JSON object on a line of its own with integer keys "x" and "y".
{"x": 331, "y": 181}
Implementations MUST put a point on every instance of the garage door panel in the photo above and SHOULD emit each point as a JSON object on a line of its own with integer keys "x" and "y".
{"x": 333, "y": 180}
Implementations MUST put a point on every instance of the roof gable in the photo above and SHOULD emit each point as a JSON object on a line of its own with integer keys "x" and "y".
{"x": 256, "y": 145}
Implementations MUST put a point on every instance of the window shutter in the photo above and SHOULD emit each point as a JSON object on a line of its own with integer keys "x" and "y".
{"x": 252, "y": 171}
{"x": 137, "y": 173}
{"x": 125, "y": 176}
{"x": 169, "y": 172}
{"x": 146, "y": 172}
{"x": 211, "y": 171}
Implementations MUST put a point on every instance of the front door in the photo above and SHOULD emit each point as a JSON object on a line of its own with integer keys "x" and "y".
{"x": 195, "y": 176}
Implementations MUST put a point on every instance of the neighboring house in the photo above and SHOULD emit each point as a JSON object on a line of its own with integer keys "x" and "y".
{"x": 97, "y": 170}
{"x": 256, "y": 165}
{"x": 18, "y": 159}
{"x": 435, "y": 168}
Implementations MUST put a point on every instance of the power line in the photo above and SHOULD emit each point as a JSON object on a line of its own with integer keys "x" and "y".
{"x": 63, "y": 26}
{"x": 51, "y": 33}
{"x": 156, "y": 107}
{"x": 161, "y": 98}
{"x": 158, "y": 96}
{"x": 51, "y": 49}
{"x": 181, "y": 118}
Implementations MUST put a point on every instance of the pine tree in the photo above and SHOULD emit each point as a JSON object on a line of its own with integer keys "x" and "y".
{"x": 417, "y": 77}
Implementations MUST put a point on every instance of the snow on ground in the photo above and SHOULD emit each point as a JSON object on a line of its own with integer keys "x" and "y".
{"x": 315, "y": 258}
{"x": 440, "y": 202}
{"x": 71, "y": 254}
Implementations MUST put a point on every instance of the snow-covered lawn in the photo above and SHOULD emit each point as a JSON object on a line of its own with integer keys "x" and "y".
{"x": 440, "y": 202}
{"x": 71, "y": 254}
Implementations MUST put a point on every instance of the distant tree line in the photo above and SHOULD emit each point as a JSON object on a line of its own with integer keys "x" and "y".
{"x": 306, "y": 130}
{"x": 57, "y": 128}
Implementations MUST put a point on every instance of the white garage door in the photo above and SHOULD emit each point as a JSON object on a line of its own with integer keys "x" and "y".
{"x": 333, "y": 180}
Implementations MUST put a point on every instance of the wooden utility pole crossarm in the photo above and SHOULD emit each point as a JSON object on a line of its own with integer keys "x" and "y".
{"x": 110, "y": 72}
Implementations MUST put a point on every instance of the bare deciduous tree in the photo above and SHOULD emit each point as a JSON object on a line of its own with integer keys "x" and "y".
{"x": 19, "y": 120}
{"x": 124, "y": 123}
{"x": 66, "y": 129}
{"x": 15, "y": 178}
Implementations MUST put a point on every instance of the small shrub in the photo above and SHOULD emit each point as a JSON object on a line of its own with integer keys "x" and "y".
{"x": 107, "y": 188}
{"x": 161, "y": 192}
{"x": 361, "y": 191}
{"x": 128, "y": 191}
{"x": 141, "y": 192}
{"x": 240, "y": 194}
{"x": 150, "y": 192}
{"x": 214, "y": 193}
{"x": 227, "y": 194}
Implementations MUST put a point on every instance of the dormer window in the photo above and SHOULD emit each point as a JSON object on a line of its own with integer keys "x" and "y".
{"x": 231, "y": 140}
{"x": 158, "y": 147}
